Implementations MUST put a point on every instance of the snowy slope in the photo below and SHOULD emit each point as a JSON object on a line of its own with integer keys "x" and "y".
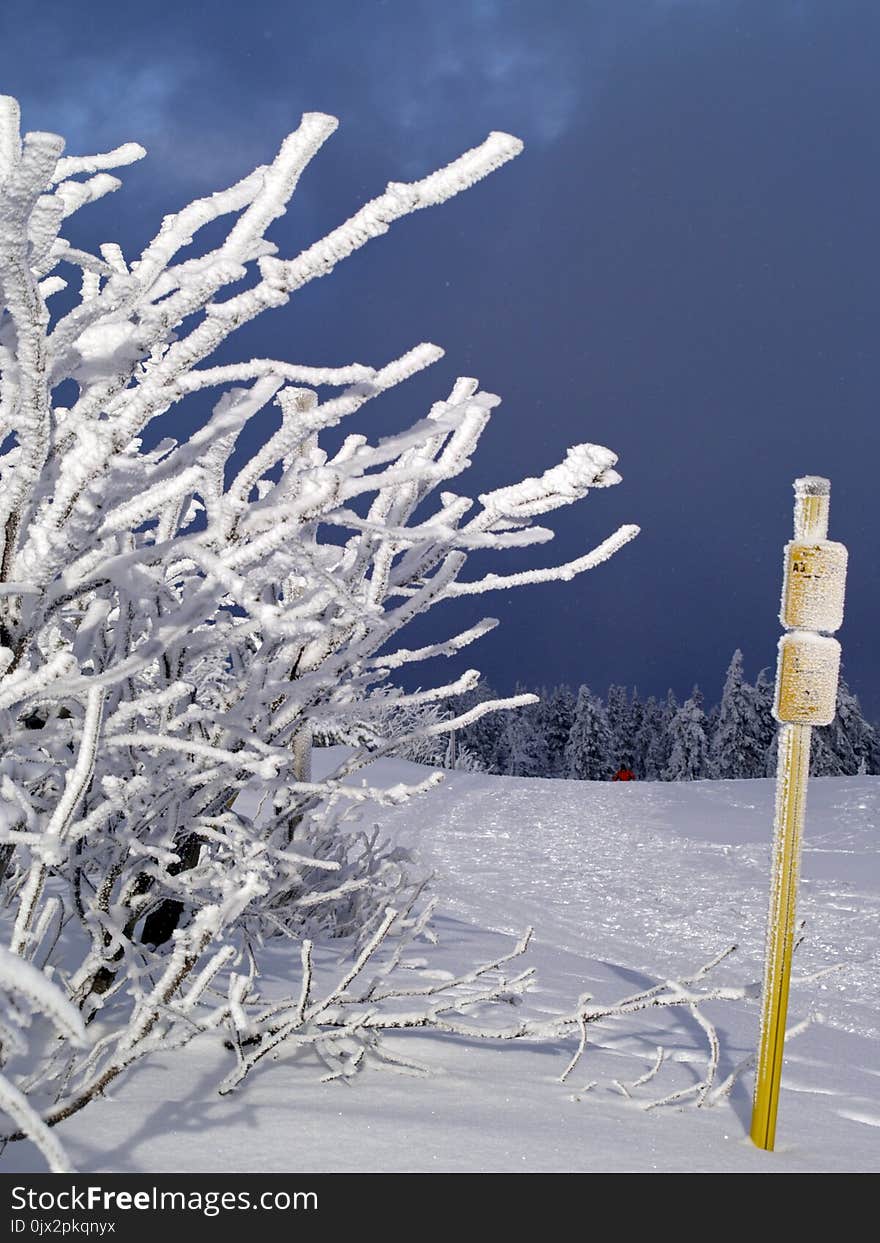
{"x": 625, "y": 885}
{"x": 659, "y": 876}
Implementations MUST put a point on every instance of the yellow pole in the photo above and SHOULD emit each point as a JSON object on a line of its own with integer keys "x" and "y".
{"x": 810, "y": 524}
{"x": 791, "y": 800}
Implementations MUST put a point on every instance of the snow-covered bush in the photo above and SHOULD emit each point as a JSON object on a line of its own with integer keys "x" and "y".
{"x": 178, "y": 619}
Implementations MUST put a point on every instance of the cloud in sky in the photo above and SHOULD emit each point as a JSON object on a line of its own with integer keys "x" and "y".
{"x": 479, "y": 60}
{"x": 112, "y": 97}
{"x": 211, "y": 89}
{"x": 401, "y": 66}
{"x": 212, "y": 83}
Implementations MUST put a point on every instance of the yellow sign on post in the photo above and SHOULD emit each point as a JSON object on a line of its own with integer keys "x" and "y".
{"x": 813, "y": 586}
{"x": 806, "y": 692}
{"x": 806, "y": 678}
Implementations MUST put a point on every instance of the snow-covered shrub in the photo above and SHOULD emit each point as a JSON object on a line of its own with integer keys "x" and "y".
{"x": 176, "y": 622}
{"x": 458, "y": 755}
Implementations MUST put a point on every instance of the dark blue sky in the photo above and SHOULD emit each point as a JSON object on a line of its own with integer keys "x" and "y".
{"x": 682, "y": 266}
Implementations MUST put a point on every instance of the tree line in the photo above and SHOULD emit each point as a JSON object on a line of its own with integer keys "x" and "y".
{"x": 580, "y": 735}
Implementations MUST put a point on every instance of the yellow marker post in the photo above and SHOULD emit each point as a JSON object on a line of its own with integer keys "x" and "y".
{"x": 806, "y": 693}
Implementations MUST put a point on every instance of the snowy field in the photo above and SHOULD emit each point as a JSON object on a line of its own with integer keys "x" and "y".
{"x": 626, "y": 885}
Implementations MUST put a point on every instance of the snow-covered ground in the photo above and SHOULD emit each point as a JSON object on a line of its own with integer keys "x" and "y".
{"x": 625, "y": 885}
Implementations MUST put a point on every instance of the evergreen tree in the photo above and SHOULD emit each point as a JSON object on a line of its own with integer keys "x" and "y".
{"x": 687, "y": 734}
{"x": 558, "y": 718}
{"x": 737, "y": 747}
{"x": 481, "y": 738}
{"x": 499, "y": 758}
{"x": 522, "y": 742}
{"x": 849, "y": 739}
{"x": 824, "y": 760}
{"x": 618, "y": 714}
{"x": 589, "y": 752}
{"x": 768, "y": 726}
{"x": 650, "y": 725}
{"x": 660, "y": 746}
{"x": 636, "y": 710}
{"x": 764, "y": 688}
{"x": 771, "y": 757}
{"x": 862, "y": 733}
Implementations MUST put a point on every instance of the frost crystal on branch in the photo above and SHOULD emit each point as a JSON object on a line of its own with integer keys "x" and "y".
{"x": 176, "y": 624}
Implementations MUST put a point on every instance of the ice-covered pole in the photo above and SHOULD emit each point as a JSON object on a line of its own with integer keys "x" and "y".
{"x": 806, "y": 691}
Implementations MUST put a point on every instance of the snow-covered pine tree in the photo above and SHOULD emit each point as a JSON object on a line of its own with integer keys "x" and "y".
{"x": 660, "y": 745}
{"x": 687, "y": 735}
{"x": 523, "y": 744}
{"x": 766, "y": 723}
{"x": 482, "y": 735}
{"x": 737, "y": 745}
{"x": 861, "y": 734}
{"x": 500, "y": 758}
{"x": 618, "y": 713}
{"x": 824, "y": 760}
{"x": 873, "y": 762}
{"x": 178, "y": 618}
{"x": 838, "y": 737}
{"x": 650, "y": 725}
{"x": 846, "y": 746}
{"x": 589, "y": 752}
{"x": 558, "y": 717}
{"x": 634, "y": 725}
